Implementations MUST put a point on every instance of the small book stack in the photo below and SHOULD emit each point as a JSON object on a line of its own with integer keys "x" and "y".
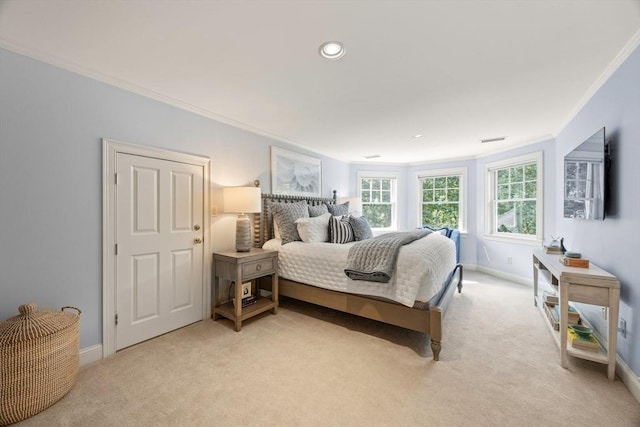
{"x": 552, "y": 249}
{"x": 551, "y": 298}
{"x": 573, "y": 317}
{"x": 584, "y": 342}
{"x": 551, "y": 316}
{"x": 247, "y": 301}
{"x": 574, "y": 262}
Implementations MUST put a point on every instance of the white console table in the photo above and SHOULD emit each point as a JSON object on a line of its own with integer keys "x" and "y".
{"x": 590, "y": 285}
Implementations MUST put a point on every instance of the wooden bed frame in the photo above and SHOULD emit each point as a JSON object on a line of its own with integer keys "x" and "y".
{"x": 427, "y": 320}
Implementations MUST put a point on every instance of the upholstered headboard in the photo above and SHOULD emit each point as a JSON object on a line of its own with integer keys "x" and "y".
{"x": 263, "y": 222}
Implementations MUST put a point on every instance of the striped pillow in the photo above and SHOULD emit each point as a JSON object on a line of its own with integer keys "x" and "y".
{"x": 340, "y": 230}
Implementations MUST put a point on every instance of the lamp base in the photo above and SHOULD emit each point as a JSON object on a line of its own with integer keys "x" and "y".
{"x": 243, "y": 233}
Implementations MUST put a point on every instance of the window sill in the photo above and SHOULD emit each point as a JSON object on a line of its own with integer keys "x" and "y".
{"x": 534, "y": 241}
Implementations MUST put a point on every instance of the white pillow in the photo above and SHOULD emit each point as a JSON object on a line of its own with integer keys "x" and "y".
{"x": 276, "y": 230}
{"x": 315, "y": 229}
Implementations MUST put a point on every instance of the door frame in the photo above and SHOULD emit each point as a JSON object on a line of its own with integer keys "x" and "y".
{"x": 110, "y": 149}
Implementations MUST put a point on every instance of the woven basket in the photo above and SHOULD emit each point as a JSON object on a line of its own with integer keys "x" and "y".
{"x": 38, "y": 360}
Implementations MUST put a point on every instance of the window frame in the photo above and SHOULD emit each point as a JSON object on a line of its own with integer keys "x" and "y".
{"x": 461, "y": 172}
{"x": 394, "y": 177}
{"x": 491, "y": 198}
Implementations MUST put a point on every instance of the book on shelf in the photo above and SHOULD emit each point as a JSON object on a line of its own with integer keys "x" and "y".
{"x": 584, "y": 342}
{"x": 550, "y": 297}
{"x": 573, "y": 317}
{"x": 574, "y": 262}
{"x": 247, "y": 301}
{"x": 552, "y": 249}
{"x": 553, "y": 319}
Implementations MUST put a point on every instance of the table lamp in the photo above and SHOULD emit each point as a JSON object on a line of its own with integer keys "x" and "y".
{"x": 242, "y": 200}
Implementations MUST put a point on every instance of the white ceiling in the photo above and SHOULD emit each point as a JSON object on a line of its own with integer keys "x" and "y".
{"x": 454, "y": 71}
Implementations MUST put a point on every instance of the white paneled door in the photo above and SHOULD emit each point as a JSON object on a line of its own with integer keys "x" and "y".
{"x": 159, "y": 250}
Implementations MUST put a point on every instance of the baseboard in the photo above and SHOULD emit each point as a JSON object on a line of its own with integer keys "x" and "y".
{"x": 628, "y": 377}
{"x": 503, "y": 275}
{"x": 90, "y": 354}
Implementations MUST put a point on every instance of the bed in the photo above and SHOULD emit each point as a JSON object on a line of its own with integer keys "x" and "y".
{"x": 417, "y": 302}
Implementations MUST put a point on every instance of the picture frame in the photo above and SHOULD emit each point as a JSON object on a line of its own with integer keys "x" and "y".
{"x": 295, "y": 174}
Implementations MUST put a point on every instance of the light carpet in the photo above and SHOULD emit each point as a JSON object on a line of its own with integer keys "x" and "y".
{"x": 310, "y": 366}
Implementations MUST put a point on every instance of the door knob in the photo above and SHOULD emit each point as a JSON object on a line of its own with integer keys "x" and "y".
{"x": 197, "y": 240}
{"x": 196, "y": 227}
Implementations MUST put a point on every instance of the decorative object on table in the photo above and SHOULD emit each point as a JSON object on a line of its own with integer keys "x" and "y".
{"x": 553, "y": 246}
{"x": 573, "y": 254}
{"x": 574, "y": 262}
{"x": 39, "y": 360}
{"x": 562, "y": 248}
{"x": 295, "y": 174}
{"x": 242, "y": 200}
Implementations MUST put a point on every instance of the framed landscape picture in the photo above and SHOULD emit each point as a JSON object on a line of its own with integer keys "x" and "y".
{"x": 295, "y": 174}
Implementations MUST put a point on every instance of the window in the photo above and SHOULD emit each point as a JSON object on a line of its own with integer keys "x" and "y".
{"x": 514, "y": 193}
{"x": 378, "y": 194}
{"x": 442, "y": 198}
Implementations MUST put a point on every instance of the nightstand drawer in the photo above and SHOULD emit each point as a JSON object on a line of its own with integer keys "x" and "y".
{"x": 258, "y": 268}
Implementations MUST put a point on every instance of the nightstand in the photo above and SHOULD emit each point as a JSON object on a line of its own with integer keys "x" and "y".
{"x": 241, "y": 267}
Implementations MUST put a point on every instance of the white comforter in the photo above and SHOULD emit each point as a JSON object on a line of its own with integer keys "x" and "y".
{"x": 420, "y": 273}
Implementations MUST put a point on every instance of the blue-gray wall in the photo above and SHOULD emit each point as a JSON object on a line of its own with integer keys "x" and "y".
{"x": 614, "y": 243}
{"x": 51, "y": 125}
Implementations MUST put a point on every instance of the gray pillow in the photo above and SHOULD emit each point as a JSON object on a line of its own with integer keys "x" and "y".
{"x": 285, "y": 214}
{"x": 337, "y": 210}
{"x": 361, "y": 228}
{"x": 318, "y": 210}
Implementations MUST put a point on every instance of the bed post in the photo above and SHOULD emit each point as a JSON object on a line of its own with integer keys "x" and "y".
{"x": 435, "y": 331}
{"x": 257, "y": 222}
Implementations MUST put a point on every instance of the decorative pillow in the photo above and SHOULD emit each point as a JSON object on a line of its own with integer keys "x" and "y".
{"x": 284, "y": 214}
{"x": 318, "y": 210}
{"x": 276, "y": 230}
{"x": 340, "y": 230}
{"x": 337, "y": 210}
{"x": 361, "y": 228}
{"x": 315, "y": 229}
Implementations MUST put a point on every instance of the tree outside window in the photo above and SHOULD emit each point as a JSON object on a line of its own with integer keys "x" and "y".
{"x": 440, "y": 200}
{"x": 516, "y": 189}
{"x": 378, "y": 201}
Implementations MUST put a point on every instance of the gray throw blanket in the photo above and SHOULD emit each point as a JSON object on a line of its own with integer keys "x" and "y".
{"x": 375, "y": 259}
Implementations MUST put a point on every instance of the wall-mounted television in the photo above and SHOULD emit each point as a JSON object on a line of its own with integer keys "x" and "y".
{"x": 585, "y": 176}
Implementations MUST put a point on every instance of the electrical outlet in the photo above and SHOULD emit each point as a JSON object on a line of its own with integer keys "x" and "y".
{"x": 604, "y": 313}
{"x": 623, "y": 328}
{"x": 509, "y": 260}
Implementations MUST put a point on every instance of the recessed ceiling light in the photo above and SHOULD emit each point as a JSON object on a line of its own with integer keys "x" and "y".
{"x": 332, "y": 50}
{"x": 499, "y": 138}
{"x": 417, "y": 136}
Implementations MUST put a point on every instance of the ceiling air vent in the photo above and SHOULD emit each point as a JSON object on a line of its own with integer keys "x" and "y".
{"x": 499, "y": 138}
{"x": 373, "y": 156}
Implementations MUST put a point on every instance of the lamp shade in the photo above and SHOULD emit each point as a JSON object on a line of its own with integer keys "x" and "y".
{"x": 241, "y": 199}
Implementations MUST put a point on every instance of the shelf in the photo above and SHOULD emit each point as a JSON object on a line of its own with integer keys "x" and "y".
{"x": 229, "y": 311}
{"x": 600, "y": 356}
